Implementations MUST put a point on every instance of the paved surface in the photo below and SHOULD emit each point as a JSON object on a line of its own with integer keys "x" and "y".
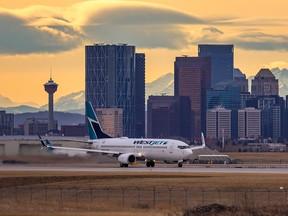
{"x": 142, "y": 169}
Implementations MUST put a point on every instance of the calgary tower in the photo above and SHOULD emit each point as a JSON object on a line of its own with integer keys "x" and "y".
{"x": 51, "y": 88}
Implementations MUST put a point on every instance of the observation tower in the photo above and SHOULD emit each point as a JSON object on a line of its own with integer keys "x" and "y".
{"x": 51, "y": 88}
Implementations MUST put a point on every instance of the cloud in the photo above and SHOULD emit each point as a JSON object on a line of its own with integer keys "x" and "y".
{"x": 250, "y": 21}
{"x": 133, "y": 14}
{"x": 249, "y": 39}
{"x": 17, "y": 37}
{"x": 260, "y": 41}
{"x": 42, "y": 29}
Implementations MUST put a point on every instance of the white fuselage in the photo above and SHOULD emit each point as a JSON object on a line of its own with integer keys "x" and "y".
{"x": 151, "y": 149}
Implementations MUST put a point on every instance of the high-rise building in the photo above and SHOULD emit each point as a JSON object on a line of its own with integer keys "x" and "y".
{"x": 192, "y": 78}
{"x": 222, "y": 61}
{"x": 140, "y": 95}
{"x": 264, "y": 84}
{"x": 161, "y": 116}
{"x": 113, "y": 80}
{"x": 169, "y": 116}
{"x": 218, "y": 123}
{"x": 229, "y": 98}
{"x": 249, "y": 123}
{"x": 240, "y": 79}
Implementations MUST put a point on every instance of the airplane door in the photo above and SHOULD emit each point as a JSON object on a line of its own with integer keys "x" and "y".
{"x": 171, "y": 149}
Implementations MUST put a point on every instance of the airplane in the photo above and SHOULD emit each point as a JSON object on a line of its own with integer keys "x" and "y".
{"x": 128, "y": 150}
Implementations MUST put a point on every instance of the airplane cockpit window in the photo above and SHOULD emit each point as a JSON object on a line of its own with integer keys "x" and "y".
{"x": 183, "y": 147}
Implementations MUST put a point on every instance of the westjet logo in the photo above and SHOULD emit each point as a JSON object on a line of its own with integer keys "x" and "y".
{"x": 148, "y": 142}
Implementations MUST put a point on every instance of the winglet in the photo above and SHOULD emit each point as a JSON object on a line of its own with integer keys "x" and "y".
{"x": 202, "y": 139}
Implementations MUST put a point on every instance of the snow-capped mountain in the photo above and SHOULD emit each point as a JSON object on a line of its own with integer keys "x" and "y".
{"x": 162, "y": 85}
{"x": 7, "y": 102}
{"x": 74, "y": 102}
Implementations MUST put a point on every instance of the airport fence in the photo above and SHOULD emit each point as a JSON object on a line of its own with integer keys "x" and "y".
{"x": 138, "y": 197}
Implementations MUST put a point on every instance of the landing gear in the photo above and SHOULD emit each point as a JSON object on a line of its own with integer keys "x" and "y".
{"x": 123, "y": 165}
{"x": 180, "y": 164}
{"x": 150, "y": 163}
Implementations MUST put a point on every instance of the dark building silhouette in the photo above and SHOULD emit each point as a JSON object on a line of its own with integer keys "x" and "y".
{"x": 161, "y": 116}
{"x": 6, "y": 123}
{"x": 222, "y": 61}
{"x": 34, "y": 126}
{"x": 168, "y": 116}
{"x": 113, "y": 80}
{"x": 192, "y": 78}
{"x": 74, "y": 130}
{"x": 140, "y": 95}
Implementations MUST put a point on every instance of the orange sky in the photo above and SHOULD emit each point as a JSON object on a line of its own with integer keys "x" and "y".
{"x": 52, "y": 36}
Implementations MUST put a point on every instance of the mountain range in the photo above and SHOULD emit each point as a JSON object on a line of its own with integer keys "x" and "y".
{"x": 164, "y": 85}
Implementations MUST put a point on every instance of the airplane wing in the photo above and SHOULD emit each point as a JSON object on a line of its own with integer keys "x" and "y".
{"x": 81, "y": 141}
{"x": 50, "y": 147}
{"x": 82, "y": 150}
{"x": 197, "y": 147}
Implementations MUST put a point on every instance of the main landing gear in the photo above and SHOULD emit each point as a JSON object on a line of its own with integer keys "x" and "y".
{"x": 180, "y": 164}
{"x": 150, "y": 163}
{"x": 123, "y": 165}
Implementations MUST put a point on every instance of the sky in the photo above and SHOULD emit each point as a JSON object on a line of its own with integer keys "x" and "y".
{"x": 39, "y": 37}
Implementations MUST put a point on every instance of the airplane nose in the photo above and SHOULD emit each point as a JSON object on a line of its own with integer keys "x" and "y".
{"x": 188, "y": 153}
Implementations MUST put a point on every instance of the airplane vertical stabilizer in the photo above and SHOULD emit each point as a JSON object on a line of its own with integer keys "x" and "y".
{"x": 94, "y": 128}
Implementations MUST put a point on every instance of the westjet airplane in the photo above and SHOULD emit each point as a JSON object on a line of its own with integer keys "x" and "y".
{"x": 128, "y": 150}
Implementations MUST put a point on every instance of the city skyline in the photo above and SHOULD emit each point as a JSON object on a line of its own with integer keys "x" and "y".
{"x": 37, "y": 38}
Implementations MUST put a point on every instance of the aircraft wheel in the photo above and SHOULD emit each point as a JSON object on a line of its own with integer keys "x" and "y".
{"x": 180, "y": 164}
{"x": 152, "y": 163}
{"x": 148, "y": 164}
{"x": 123, "y": 165}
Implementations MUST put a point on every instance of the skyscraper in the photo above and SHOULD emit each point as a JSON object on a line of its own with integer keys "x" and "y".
{"x": 222, "y": 61}
{"x": 111, "y": 81}
{"x": 241, "y": 80}
{"x": 192, "y": 79}
{"x": 140, "y": 95}
{"x": 169, "y": 116}
{"x": 264, "y": 83}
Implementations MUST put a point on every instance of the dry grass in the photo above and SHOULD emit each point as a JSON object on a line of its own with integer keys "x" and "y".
{"x": 209, "y": 181}
{"x": 144, "y": 180}
{"x": 260, "y": 157}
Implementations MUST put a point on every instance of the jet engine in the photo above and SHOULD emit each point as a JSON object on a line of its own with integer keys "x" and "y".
{"x": 127, "y": 158}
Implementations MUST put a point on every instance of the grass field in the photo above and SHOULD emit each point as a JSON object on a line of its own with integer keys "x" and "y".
{"x": 26, "y": 204}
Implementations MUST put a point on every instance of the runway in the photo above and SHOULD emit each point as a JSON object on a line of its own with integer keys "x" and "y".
{"x": 37, "y": 168}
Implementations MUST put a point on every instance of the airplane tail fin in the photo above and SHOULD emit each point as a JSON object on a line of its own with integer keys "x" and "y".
{"x": 202, "y": 139}
{"x": 94, "y": 128}
{"x": 47, "y": 144}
